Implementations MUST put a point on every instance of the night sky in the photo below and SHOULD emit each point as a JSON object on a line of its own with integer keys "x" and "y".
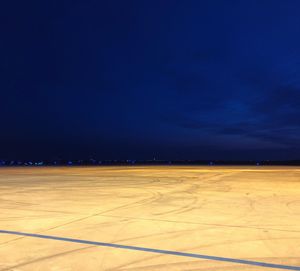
{"x": 144, "y": 79}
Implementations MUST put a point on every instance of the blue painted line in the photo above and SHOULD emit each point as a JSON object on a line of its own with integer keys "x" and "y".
{"x": 153, "y": 250}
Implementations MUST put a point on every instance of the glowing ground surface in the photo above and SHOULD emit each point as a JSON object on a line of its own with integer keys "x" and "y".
{"x": 244, "y": 213}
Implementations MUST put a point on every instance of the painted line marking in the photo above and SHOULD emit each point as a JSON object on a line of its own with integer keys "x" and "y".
{"x": 153, "y": 250}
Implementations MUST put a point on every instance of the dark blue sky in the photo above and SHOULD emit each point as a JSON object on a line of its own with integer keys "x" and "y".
{"x": 143, "y": 79}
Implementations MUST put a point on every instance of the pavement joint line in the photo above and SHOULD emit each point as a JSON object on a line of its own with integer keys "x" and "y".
{"x": 153, "y": 250}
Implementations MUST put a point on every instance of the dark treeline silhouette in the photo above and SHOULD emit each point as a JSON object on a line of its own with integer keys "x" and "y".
{"x": 95, "y": 162}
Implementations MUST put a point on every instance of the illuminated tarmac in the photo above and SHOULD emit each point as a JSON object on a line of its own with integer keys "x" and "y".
{"x": 150, "y": 218}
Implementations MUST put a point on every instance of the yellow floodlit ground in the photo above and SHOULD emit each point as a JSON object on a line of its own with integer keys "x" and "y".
{"x": 244, "y": 213}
